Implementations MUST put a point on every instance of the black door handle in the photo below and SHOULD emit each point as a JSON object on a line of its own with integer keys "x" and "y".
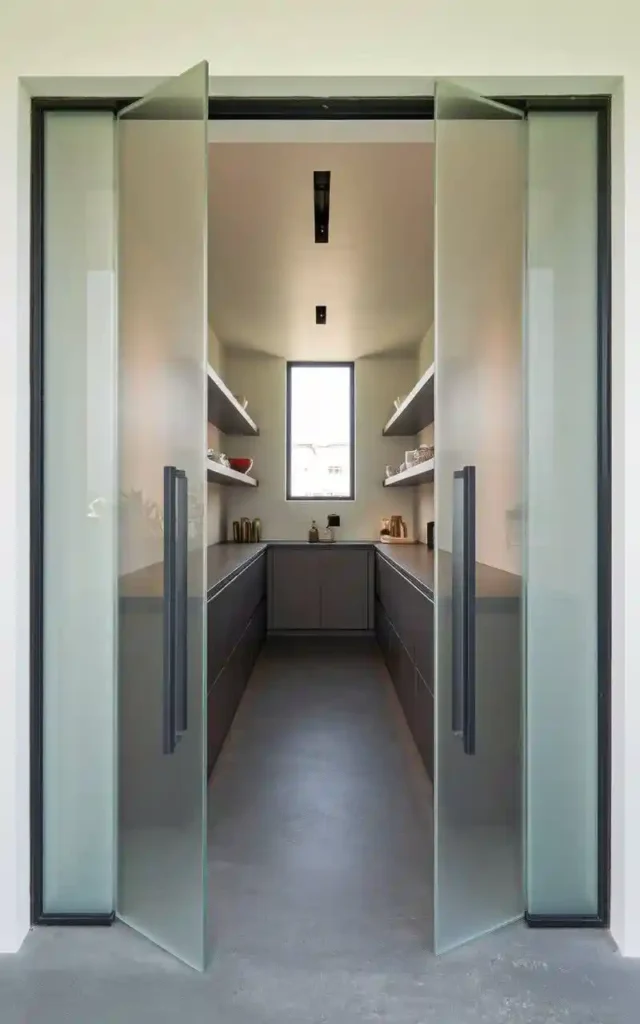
{"x": 181, "y": 581}
{"x": 463, "y": 625}
{"x": 169, "y": 614}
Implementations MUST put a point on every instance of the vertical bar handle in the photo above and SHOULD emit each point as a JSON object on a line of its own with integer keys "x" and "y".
{"x": 457, "y": 607}
{"x": 463, "y": 695}
{"x": 169, "y": 614}
{"x": 181, "y": 581}
{"x": 469, "y": 560}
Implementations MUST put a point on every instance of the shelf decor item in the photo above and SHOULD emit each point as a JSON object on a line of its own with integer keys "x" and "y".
{"x": 241, "y": 465}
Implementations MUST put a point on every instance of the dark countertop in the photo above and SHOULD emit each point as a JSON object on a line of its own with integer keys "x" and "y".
{"x": 494, "y": 587}
{"x": 225, "y": 560}
{"x": 414, "y": 560}
{"x": 320, "y": 544}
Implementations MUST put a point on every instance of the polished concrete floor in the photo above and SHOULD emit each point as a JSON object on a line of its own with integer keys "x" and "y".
{"x": 320, "y": 837}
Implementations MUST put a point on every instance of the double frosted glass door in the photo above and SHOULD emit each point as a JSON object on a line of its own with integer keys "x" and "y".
{"x": 480, "y": 195}
{"x": 162, "y": 221}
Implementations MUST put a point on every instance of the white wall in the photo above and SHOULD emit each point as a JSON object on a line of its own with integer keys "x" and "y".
{"x": 279, "y": 38}
{"x": 263, "y": 380}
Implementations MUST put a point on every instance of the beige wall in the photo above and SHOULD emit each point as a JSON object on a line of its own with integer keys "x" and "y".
{"x": 216, "y": 495}
{"x": 263, "y": 380}
{"x": 425, "y": 497}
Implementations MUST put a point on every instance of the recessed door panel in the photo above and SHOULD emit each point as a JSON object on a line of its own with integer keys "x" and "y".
{"x": 162, "y": 327}
{"x": 480, "y": 197}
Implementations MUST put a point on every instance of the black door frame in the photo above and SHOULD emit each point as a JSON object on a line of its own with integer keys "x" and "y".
{"x": 393, "y": 108}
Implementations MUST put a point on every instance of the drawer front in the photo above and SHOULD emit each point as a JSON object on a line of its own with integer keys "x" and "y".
{"x": 229, "y": 612}
{"x": 422, "y": 626}
{"x": 396, "y": 596}
{"x": 423, "y": 732}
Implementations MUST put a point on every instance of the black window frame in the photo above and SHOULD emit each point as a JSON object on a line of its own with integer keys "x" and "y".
{"x": 323, "y": 364}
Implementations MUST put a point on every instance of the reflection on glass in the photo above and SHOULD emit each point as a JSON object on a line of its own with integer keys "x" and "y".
{"x": 562, "y": 575}
{"x": 479, "y": 250}
{"x": 79, "y": 585}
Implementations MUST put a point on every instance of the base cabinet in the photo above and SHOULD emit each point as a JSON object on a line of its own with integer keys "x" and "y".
{"x": 404, "y": 630}
{"x": 320, "y": 588}
{"x": 236, "y": 627}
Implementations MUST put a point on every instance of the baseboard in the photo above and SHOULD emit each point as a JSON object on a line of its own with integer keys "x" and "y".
{"x": 77, "y": 920}
{"x": 564, "y": 921}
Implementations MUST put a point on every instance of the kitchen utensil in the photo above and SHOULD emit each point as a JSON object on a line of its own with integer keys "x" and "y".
{"x": 245, "y": 529}
{"x": 396, "y": 527}
{"x": 333, "y": 521}
{"x": 385, "y": 527}
{"x": 411, "y": 458}
{"x": 425, "y": 452}
{"x": 237, "y": 536}
{"x": 256, "y": 531}
{"x": 241, "y": 465}
{"x": 217, "y": 457}
{"x": 314, "y": 533}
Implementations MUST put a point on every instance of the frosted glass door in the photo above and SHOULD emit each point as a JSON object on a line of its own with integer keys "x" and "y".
{"x": 479, "y": 256}
{"x": 162, "y": 210}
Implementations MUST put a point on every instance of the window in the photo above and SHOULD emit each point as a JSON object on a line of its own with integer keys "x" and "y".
{"x": 320, "y": 416}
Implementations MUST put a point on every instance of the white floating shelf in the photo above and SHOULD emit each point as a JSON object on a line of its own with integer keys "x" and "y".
{"x": 418, "y": 409}
{"x": 422, "y": 473}
{"x": 218, "y": 474}
{"x": 224, "y": 411}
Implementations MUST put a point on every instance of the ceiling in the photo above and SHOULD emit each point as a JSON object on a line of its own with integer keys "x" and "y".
{"x": 266, "y": 274}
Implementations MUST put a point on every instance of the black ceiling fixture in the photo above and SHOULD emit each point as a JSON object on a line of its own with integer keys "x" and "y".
{"x": 321, "y": 314}
{"x": 321, "y": 190}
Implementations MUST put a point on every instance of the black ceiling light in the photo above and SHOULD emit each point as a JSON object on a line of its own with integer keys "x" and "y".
{"x": 321, "y": 314}
{"x": 321, "y": 190}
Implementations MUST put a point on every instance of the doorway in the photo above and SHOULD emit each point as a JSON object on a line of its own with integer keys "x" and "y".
{"x": 602, "y": 454}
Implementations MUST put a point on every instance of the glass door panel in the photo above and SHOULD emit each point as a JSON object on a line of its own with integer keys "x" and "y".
{"x": 480, "y": 192}
{"x": 162, "y": 324}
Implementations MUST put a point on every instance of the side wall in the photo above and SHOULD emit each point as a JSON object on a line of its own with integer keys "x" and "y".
{"x": 250, "y": 38}
{"x": 216, "y": 495}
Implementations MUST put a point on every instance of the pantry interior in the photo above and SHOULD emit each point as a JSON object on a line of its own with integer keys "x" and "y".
{"x": 208, "y": 627}
{"x": 361, "y": 248}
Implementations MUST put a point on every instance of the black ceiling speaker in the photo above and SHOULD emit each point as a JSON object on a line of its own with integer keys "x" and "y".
{"x": 321, "y": 314}
{"x": 321, "y": 193}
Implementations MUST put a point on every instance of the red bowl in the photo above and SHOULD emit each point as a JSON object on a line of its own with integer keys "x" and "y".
{"x": 241, "y": 465}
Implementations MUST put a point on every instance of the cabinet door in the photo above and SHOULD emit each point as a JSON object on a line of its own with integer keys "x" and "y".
{"x": 423, "y": 724}
{"x": 422, "y": 628}
{"x": 294, "y": 588}
{"x": 382, "y": 631}
{"x": 403, "y": 597}
{"x": 344, "y": 589}
{"x": 405, "y": 682}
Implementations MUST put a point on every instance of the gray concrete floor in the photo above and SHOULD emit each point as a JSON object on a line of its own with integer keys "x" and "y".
{"x": 320, "y": 837}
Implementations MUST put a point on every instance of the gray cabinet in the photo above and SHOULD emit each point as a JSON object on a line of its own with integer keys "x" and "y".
{"x": 344, "y": 589}
{"x": 294, "y": 588}
{"x": 315, "y": 588}
{"x": 236, "y": 627}
{"x": 405, "y": 633}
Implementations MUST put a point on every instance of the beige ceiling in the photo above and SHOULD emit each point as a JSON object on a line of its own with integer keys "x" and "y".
{"x": 266, "y": 274}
